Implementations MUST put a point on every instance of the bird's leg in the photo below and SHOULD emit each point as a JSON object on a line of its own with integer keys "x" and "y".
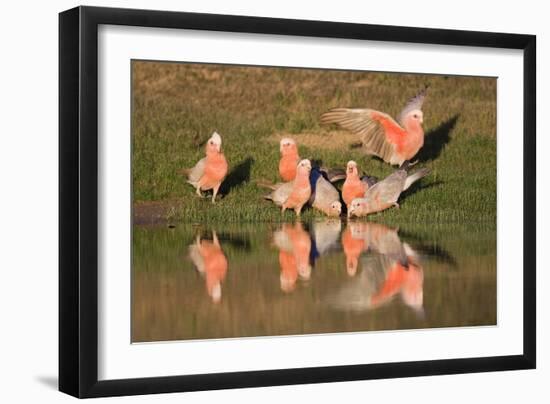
{"x": 215, "y": 192}
{"x": 199, "y": 191}
{"x": 298, "y": 210}
{"x": 283, "y": 209}
{"x": 412, "y": 163}
{"x": 396, "y": 205}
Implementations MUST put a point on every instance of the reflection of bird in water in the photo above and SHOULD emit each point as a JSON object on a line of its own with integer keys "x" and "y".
{"x": 404, "y": 280}
{"x": 354, "y": 244}
{"x": 324, "y": 238}
{"x": 211, "y": 262}
{"x": 294, "y": 246}
{"x": 390, "y": 268}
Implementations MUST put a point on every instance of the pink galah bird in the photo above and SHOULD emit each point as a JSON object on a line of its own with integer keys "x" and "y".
{"x": 211, "y": 170}
{"x": 385, "y": 194}
{"x": 394, "y": 141}
{"x": 289, "y": 159}
{"x": 301, "y": 189}
{"x": 324, "y": 196}
{"x": 354, "y": 186}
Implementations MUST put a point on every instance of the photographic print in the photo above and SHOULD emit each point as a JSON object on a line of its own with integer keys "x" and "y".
{"x": 275, "y": 201}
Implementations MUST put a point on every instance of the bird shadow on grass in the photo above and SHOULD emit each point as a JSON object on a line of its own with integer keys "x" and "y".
{"x": 436, "y": 139}
{"x": 238, "y": 175}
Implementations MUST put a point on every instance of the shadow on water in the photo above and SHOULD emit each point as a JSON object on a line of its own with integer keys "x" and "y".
{"x": 436, "y": 139}
{"x": 238, "y": 175}
{"x": 430, "y": 249}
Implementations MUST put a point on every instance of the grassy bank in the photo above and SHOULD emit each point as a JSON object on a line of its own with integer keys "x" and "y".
{"x": 177, "y": 106}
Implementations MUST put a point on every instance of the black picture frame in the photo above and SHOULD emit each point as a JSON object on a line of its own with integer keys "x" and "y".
{"x": 78, "y": 201}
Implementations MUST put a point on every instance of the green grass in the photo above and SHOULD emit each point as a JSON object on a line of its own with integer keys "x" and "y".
{"x": 177, "y": 106}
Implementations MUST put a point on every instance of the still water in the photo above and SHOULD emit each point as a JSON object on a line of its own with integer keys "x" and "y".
{"x": 197, "y": 282}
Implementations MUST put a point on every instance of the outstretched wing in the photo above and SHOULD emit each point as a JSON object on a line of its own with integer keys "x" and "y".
{"x": 413, "y": 104}
{"x": 378, "y": 131}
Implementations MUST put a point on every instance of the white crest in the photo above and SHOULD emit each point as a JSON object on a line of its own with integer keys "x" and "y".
{"x": 305, "y": 163}
{"x": 216, "y": 138}
{"x": 287, "y": 140}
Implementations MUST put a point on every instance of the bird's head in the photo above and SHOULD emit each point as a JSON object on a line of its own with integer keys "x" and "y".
{"x": 416, "y": 115}
{"x": 351, "y": 168}
{"x": 335, "y": 209}
{"x": 304, "y": 166}
{"x": 287, "y": 145}
{"x": 358, "y": 207}
{"x": 216, "y": 292}
{"x": 288, "y": 283}
{"x": 304, "y": 271}
{"x": 214, "y": 144}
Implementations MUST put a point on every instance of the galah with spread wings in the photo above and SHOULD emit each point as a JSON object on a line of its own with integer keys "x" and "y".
{"x": 394, "y": 141}
{"x": 211, "y": 170}
{"x": 385, "y": 194}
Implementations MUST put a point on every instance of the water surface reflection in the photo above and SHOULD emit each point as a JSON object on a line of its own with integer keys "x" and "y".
{"x": 194, "y": 282}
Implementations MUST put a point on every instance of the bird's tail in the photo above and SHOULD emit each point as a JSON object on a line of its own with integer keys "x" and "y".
{"x": 184, "y": 171}
{"x": 415, "y": 177}
{"x": 266, "y": 184}
{"x": 335, "y": 174}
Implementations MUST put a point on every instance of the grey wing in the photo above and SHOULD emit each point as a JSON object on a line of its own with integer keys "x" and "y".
{"x": 389, "y": 244}
{"x": 325, "y": 193}
{"x": 282, "y": 241}
{"x": 196, "y": 172}
{"x": 389, "y": 189}
{"x": 369, "y": 180}
{"x": 196, "y": 257}
{"x": 281, "y": 194}
{"x": 361, "y": 122}
{"x": 411, "y": 179}
{"x": 326, "y": 235}
{"x": 356, "y": 293}
{"x": 414, "y": 103}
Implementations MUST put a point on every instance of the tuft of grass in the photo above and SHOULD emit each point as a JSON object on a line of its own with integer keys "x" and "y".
{"x": 177, "y": 106}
